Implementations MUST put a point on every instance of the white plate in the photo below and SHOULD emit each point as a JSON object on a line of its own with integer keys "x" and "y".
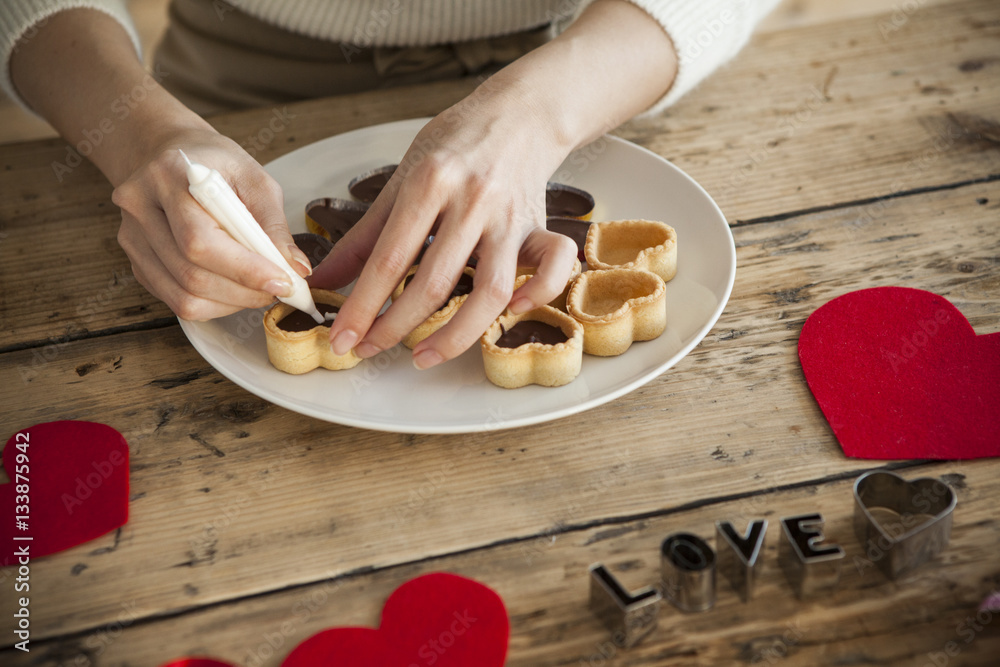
{"x": 387, "y": 393}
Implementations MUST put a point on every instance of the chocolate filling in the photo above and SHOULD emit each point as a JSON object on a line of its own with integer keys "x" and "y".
{"x": 298, "y": 321}
{"x": 530, "y": 331}
{"x": 336, "y": 216}
{"x": 368, "y": 185}
{"x": 571, "y": 227}
{"x": 314, "y": 246}
{"x": 564, "y": 201}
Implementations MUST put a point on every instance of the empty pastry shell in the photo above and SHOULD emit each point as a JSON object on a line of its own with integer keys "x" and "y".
{"x": 632, "y": 244}
{"x": 298, "y": 352}
{"x": 616, "y": 308}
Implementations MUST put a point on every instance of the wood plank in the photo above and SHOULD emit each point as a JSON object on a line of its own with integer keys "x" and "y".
{"x": 866, "y": 620}
{"x": 837, "y": 113}
{"x": 912, "y": 111}
{"x": 206, "y": 528}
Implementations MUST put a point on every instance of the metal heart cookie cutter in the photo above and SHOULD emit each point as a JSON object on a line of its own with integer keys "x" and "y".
{"x": 901, "y": 523}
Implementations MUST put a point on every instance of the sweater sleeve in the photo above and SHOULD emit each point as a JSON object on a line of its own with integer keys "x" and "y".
{"x": 21, "y": 19}
{"x": 705, "y": 33}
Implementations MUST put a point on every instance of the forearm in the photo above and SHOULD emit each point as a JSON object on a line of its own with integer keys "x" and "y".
{"x": 612, "y": 63}
{"x": 81, "y": 73}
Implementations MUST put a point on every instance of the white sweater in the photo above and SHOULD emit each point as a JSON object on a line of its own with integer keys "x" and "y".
{"x": 705, "y": 33}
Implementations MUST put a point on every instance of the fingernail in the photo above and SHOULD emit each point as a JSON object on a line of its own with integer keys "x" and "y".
{"x": 365, "y": 350}
{"x": 343, "y": 342}
{"x": 278, "y": 288}
{"x": 521, "y": 305}
{"x": 426, "y": 358}
{"x": 301, "y": 258}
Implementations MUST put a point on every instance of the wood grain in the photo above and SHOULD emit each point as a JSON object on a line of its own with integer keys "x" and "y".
{"x": 867, "y": 620}
{"x": 804, "y": 119}
{"x": 253, "y": 527}
{"x": 224, "y": 481}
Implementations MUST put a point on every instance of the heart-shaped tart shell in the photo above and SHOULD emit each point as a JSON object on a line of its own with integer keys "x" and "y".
{"x": 298, "y": 352}
{"x": 617, "y": 307}
{"x": 437, "y": 319}
{"x": 350, "y": 211}
{"x": 632, "y": 244}
{"x": 559, "y": 302}
{"x": 565, "y": 201}
{"x": 533, "y": 363}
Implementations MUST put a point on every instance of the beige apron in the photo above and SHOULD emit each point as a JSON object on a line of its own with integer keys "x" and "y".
{"x": 215, "y": 57}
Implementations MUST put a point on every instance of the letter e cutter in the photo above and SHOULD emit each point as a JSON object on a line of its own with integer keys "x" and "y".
{"x": 808, "y": 566}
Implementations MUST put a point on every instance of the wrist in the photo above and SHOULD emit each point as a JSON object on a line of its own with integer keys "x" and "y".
{"x": 139, "y": 132}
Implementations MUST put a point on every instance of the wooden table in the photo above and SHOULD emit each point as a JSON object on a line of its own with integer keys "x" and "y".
{"x": 845, "y": 154}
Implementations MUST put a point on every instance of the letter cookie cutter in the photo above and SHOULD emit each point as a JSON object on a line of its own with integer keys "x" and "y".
{"x": 687, "y": 567}
{"x": 902, "y": 523}
{"x": 629, "y": 616}
{"x": 738, "y": 555}
{"x": 808, "y": 565}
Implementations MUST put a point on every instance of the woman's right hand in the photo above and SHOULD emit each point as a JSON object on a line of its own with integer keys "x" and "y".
{"x": 178, "y": 252}
{"x": 75, "y": 69}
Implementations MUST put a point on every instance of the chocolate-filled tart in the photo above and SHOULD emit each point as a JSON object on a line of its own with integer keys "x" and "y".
{"x": 565, "y": 201}
{"x": 543, "y": 346}
{"x": 442, "y": 315}
{"x": 616, "y": 308}
{"x": 573, "y": 228}
{"x": 332, "y": 218}
{"x": 366, "y": 187}
{"x": 296, "y": 344}
{"x": 313, "y": 246}
{"x": 632, "y": 244}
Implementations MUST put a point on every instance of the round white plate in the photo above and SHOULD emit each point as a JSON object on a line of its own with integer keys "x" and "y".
{"x": 387, "y": 393}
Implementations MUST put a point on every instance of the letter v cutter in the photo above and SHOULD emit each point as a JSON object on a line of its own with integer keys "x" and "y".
{"x": 738, "y": 555}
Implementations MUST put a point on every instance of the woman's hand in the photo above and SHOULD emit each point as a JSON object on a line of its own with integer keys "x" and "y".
{"x": 73, "y": 71}
{"x": 179, "y": 253}
{"x": 474, "y": 178}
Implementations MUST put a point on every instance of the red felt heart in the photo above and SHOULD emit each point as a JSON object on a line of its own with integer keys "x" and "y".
{"x": 437, "y": 619}
{"x": 68, "y": 485}
{"x": 899, "y": 373}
